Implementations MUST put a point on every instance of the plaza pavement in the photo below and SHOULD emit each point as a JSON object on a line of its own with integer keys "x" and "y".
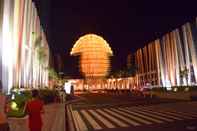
{"x": 162, "y": 115}
{"x": 54, "y": 117}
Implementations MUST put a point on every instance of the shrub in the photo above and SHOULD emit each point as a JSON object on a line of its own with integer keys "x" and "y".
{"x": 159, "y": 89}
{"x": 19, "y": 100}
{"x": 193, "y": 88}
{"x": 48, "y": 96}
{"x": 176, "y": 89}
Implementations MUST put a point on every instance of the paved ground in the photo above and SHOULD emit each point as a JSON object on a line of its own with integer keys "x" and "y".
{"x": 125, "y": 113}
{"x": 106, "y": 100}
{"x": 54, "y": 117}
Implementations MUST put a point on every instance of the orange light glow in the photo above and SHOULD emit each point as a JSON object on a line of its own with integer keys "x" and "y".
{"x": 94, "y": 54}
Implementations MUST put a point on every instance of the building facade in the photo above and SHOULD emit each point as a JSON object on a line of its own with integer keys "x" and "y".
{"x": 24, "y": 51}
{"x": 170, "y": 60}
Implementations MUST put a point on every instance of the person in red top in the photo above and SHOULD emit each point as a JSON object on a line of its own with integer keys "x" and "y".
{"x": 34, "y": 108}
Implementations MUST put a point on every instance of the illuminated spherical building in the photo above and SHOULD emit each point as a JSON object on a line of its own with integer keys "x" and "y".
{"x": 94, "y": 54}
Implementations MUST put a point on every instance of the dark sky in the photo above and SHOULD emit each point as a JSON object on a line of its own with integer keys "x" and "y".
{"x": 125, "y": 24}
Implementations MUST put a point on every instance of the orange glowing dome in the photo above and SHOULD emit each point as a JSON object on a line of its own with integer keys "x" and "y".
{"x": 94, "y": 54}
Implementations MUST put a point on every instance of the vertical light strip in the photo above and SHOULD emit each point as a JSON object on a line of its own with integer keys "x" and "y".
{"x": 187, "y": 56}
{"x": 19, "y": 62}
{"x": 1, "y": 41}
{"x": 192, "y": 51}
{"x": 7, "y": 52}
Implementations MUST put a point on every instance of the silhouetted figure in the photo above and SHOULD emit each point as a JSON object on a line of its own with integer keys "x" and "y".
{"x": 72, "y": 90}
{"x": 34, "y": 108}
{"x": 1, "y": 87}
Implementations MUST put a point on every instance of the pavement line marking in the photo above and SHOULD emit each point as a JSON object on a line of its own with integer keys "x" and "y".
{"x": 102, "y": 119}
{"x": 70, "y": 118}
{"x": 75, "y": 120}
{"x": 140, "y": 115}
{"x": 80, "y": 123}
{"x": 118, "y": 122}
{"x": 184, "y": 115}
{"x": 190, "y": 114}
{"x": 91, "y": 120}
{"x": 153, "y": 115}
{"x": 133, "y": 117}
{"x": 123, "y": 118}
{"x": 179, "y": 115}
{"x": 145, "y": 107}
{"x": 162, "y": 114}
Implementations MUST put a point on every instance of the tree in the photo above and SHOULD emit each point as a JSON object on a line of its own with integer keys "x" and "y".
{"x": 41, "y": 56}
{"x": 53, "y": 75}
{"x": 184, "y": 74}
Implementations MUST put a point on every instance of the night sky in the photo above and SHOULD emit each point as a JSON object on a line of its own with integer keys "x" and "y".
{"x": 125, "y": 24}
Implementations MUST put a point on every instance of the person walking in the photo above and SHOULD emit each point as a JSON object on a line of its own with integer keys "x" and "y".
{"x": 34, "y": 108}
